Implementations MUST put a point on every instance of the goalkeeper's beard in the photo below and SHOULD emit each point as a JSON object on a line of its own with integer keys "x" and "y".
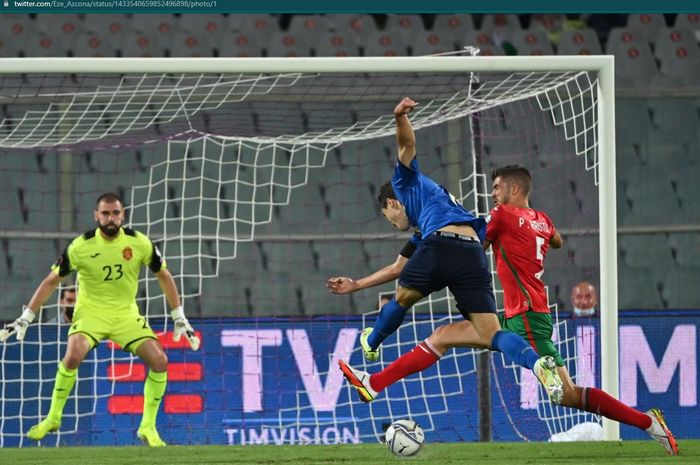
{"x": 109, "y": 230}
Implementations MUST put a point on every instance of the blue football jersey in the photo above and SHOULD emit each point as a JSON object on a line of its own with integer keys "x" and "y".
{"x": 429, "y": 206}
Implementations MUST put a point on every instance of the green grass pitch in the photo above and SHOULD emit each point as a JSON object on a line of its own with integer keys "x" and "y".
{"x": 581, "y": 453}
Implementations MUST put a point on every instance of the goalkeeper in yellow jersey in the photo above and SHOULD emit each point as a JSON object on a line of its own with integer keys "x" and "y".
{"x": 108, "y": 261}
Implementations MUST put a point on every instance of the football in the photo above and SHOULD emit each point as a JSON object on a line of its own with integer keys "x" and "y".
{"x": 404, "y": 438}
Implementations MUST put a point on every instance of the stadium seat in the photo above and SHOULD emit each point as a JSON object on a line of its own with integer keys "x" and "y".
{"x": 634, "y": 62}
{"x": 686, "y": 248}
{"x": 680, "y": 67}
{"x": 92, "y": 45}
{"x": 632, "y": 122}
{"x": 141, "y": 45}
{"x": 116, "y": 30}
{"x": 639, "y": 289}
{"x": 645, "y": 250}
{"x": 345, "y": 258}
{"x": 191, "y": 46}
{"x": 43, "y": 45}
{"x": 383, "y": 43}
{"x": 238, "y": 44}
{"x": 690, "y": 21}
{"x": 354, "y": 25}
{"x": 16, "y": 31}
{"x": 404, "y": 25}
{"x": 669, "y": 40}
{"x": 500, "y": 26}
{"x": 483, "y": 41}
{"x": 583, "y": 250}
{"x": 310, "y": 25}
{"x": 686, "y": 184}
{"x": 63, "y": 29}
{"x": 453, "y": 25}
{"x": 257, "y": 26}
{"x": 651, "y": 196}
{"x": 645, "y": 24}
{"x": 285, "y": 44}
{"x": 430, "y": 43}
{"x": 673, "y": 122}
{"x": 285, "y": 256}
{"x": 679, "y": 288}
{"x": 209, "y": 26}
{"x": 531, "y": 42}
{"x": 550, "y": 23}
{"x": 335, "y": 44}
{"x": 579, "y": 42}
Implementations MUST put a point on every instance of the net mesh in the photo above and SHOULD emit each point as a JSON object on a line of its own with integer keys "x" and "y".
{"x": 258, "y": 188}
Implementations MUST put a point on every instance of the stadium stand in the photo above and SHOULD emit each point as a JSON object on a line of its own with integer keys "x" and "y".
{"x": 579, "y": 42}
{"x": 383, "y": 43}
{"x": 646, "y": 25}
{"x": 635, "y": 63}
{"x": 335, "y": 43}
{"x": 531, "y": 42}
{"x": 238, "y": 44}
{"x": 404, "y": 25}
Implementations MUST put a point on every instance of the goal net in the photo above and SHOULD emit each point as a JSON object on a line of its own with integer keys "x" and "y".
{"x": 257, "y": 178}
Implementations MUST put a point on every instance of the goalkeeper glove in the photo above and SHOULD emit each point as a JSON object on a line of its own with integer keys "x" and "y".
{"x": 182, "y": 326}
{"x": 19, "y": 326}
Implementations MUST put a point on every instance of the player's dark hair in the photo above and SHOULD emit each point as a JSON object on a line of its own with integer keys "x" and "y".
{"x": 109, "y": 197}
{"x": 386, "y": 192}
{"x": 514, "y": 173}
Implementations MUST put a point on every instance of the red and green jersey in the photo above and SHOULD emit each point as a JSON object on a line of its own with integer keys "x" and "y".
{"x": 520, "y": 239}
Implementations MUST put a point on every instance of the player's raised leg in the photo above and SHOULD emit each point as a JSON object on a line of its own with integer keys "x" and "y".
{"x": 78, "y": 347}
{"x": 421, "y": 357}
{"x": 151, "y": 352}
{"x": 390, "y": 318}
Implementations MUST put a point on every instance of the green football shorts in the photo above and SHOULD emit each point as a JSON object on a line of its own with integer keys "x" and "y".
{"x": 129, "y": 331}
{"x": 536, "y": 329}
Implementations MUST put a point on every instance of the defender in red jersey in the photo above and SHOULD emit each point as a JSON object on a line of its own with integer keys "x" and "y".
{"x": 520, "y": 237}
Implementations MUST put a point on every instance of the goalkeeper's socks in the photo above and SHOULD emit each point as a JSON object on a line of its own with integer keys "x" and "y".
{"x": 153, "y": 391}
{"x": 514, "y": 348}
{"x": 601, "y": 403}
{"x": 421, "y": 357}
{"x": 65, "y": 380}
{"x": 389, "y": 319}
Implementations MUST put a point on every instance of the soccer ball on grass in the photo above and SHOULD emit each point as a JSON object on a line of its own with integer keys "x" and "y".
{"x": 404, "y": 438}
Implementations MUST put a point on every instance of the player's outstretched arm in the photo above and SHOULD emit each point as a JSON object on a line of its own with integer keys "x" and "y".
{"x": 180, "y": 323}
{"x": 42, "y": 293}
{"x": 405, "y": 137}
{"x": 345, "y": 285}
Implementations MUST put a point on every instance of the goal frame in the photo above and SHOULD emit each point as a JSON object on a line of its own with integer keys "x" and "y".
{"x": 602, "y": 65}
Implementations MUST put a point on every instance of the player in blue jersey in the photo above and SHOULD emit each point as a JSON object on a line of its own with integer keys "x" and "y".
{"x": 448, "y": 254}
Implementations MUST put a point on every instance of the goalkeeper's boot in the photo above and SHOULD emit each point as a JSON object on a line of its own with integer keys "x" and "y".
{"x": 359, "y": 380}
{"x": 150, "y": 437}
{"x": 546, "y": 371}
{"x": 659, "y": 431}
{"x": 370, "y": 354}
{"x": 44, "y": 427}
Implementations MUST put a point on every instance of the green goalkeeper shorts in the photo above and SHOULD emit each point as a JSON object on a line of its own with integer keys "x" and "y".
{"x": 536, "y": 329}
{"x": 129, "y": 330}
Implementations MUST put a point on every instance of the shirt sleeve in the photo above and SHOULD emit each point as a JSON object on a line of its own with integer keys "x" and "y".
{"x": 411, "y": 246}
{"x": 65, "y": 263}
{"x": 153, "y": 258}
{"x": 405, "y": 177}
{"x": 493, "y": 224}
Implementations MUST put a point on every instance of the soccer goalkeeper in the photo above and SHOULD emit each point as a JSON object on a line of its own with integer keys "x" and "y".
{"x": 108, "y": 261}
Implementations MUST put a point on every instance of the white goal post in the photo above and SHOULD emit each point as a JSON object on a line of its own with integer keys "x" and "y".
{"x": 602, "y": 66}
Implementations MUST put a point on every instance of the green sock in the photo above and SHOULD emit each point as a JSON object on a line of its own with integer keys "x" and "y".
{"x": 65, "y": 379}
{"x": 153, "y": 391}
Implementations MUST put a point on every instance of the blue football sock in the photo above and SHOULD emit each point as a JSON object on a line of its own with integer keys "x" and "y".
{"x": 389, "y": 319}
{"x": 515, "y": 348}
